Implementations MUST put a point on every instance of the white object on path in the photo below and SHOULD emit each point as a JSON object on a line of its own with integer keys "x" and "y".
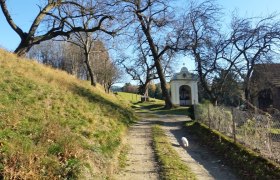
{"x": 185, "y": 142}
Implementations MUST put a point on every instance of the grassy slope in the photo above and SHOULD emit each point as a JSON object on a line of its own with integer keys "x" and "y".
{"x": 53, "y": 125}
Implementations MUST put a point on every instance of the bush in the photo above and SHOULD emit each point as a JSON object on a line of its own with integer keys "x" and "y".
{"x": 216, "y": 117}
{"x": 191, "y": 112}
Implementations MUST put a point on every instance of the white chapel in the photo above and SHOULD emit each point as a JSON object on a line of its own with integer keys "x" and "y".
{"x": 184, "y": 90}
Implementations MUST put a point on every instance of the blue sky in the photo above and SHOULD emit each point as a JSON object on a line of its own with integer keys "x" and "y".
{"x": 245, "y": 8}
{"x": 24, "y": 11}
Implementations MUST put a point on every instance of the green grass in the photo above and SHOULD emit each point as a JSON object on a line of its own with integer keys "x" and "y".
{"x": 55, "y": 126}
{"x": 154, "y": 105}
{"x": 135, "y": 98}
{"x": 275, "y": 131}
{"x": 172, "y": 167}
{"x": 123, "y": 156}
{"x": 132, "y": 98}
{"x": 158, "y": 108}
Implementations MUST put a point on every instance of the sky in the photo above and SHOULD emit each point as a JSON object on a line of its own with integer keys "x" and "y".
{"x": 24, "y": 11}
{"x": 245, "y": 8}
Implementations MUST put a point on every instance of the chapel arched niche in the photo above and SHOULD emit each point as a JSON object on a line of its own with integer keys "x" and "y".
{"x": 185, "y": 95}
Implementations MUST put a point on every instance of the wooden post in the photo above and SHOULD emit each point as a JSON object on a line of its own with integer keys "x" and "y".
{"x": 209, "y": 119}
{"x": 194, "y": 110}
{"x": 269, "y": 142}
{"x": 219, "y": 123}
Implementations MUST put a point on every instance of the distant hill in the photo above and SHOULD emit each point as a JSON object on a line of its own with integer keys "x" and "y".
{"x": 53, "y": 126}
{"x": 116, "y": 88}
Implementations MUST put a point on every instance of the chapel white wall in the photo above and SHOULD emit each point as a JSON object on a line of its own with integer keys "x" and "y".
{"x": 175, "y": 86}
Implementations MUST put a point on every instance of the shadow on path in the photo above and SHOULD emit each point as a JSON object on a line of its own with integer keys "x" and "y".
{"x": 213, "y": 165}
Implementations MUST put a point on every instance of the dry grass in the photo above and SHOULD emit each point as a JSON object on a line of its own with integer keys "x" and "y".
{"x": 53, "y": 126}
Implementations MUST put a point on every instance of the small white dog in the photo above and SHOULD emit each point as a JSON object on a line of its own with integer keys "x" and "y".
{"x": 185, "y": 142}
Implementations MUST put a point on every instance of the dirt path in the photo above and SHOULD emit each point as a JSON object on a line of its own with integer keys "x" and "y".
{"x": 204, "y": 164}
{"x": 141, "y": 161}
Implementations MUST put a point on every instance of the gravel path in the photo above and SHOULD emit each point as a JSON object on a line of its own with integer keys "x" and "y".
{"x": 141, "y": 161}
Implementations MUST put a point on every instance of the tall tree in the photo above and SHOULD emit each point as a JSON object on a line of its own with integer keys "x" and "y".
{"x": 155, "y": 19}
{"x": 85, "y": 42}
{"x": 201, "y": 39}
{"x": 107, "y": 72}
{"x": 58, "y": 17}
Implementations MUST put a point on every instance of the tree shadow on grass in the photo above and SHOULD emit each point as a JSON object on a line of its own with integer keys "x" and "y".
{"x": 95, "y": 98}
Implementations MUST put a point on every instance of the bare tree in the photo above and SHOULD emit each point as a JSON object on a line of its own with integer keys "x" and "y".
{"x": 107, "y": 72}
{"x": 215, "y": 53}
{"x": 200, "y": 37}
{"x": 48, "y": 52}
{"x": 58, "y": 17}
{"x": 111, "y": 76}
{"x": 155, "y": 19}
{"x": 141, "y": 68}
{"x": 73, "y": 61}
{"x": 85, "y": 42}
{"x": 256, "y": 41}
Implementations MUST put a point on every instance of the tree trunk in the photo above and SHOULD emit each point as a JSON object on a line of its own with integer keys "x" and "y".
{"x": 214, "y": 101}
{"x": 156, "y": 57}
{"x": 165, "y": 93}
{"x": 247, "y": 93}
{"x": 90, "y": 72}
{"x": 143, "y": 88}
{"x": 22, "y": 49}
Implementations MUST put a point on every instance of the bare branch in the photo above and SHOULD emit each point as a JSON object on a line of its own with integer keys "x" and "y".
{"x": 10, "y": 20}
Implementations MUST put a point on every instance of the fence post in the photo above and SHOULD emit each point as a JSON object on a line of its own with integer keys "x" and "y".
{"x": 194, "y": 110}
{"x": 269, "y": 144}
{"x": 209, "y": 119}
{"x": 233, "y": 126}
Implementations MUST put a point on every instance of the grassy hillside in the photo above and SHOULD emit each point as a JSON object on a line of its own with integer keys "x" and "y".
{"x": 53, "y": 126}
